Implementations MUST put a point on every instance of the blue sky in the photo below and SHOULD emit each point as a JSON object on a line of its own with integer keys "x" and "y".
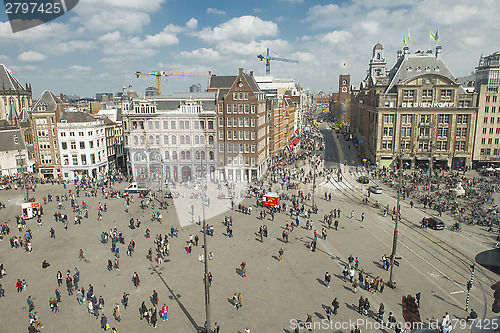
{"x": 99, "y": 45}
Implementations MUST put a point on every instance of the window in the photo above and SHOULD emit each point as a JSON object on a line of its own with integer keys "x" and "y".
{"x": 405, "y": 131}
{"x": 496, "y": 141}
{"x": 446, "y": 93}
{"x": 247, "y": 108}
{"x": 408, "y": 93}
{"x": 252, "y": 135}
{"x": 442, "y": 131}
{"x": 83, "y": 158}
{"x": 165, "y": 139}
{"x": 71, "y": 133}
{"x": 80, "y": 134}
{"x": 181, "y": 125}
{"x": 165, "y": 124}
{"x": 174, "y": 140}
{"x": 252, "y": 161}
{"x": 229, "y": 160}
{"x": 172, "y": 125}
{"x": 211, "y": 140}
{"x": 240, "y": 108}
{"x": 493, "y": 109}
{"x": 486, "y": 109}
{"x": 63, "y": 134}
{"x": 245, "y": 96}
{"x": 220, "y": 107}
{"x": 485, "y": 120}
{"x": 240, "y": 122}
{"x": 252, "y": 122}
{"x": 496, "y": 151}
{"x": 221, "y": 122}
{"x": 386, "y": 144}
{"x": 492, "y": 120}
{"x": 229, "y": 108}
{"x": 221, "y": 147}
{"x": 229, "y": 135}
{"x": 462, "y": 132}
{"x": 64, "y": 145}
{"x": 247, "y": 122}
{"x": 150, "y": 125}
{"x": 188, "y": 155}
{"x": 240, "y": 96}
{"x": 444, "y": 118}
{"x": 235, "y": 96}
{"x": 423, "y": 145}
{"x": 247, "y": 148}
{"x": 405, "y": 144}
{"x": 490, "y": 141}
{"x": 182, "y": 140}
{"x": 157, "y": 140}
{"x": 82, "y": 144}
{"x": 73, "y": 145}
{"x": 66, "y": 159}
{"x": 498, "y": 130}
{"x": 247, "y": 135}
{"x": 491, "y": 130}
{"x": 252, "y": 108}
{"x": 484, "y": 130}
{"x": 483, "y": 141}
{"x": 221, "y": 135}
{"x": 186, "y": 124}
{"x": 210, "y": 125}
{"x": 460, "y": 145}
{"x": 494, "y": 99}
{"x": 462, "y": 119}
{"x": 388, "y": 131}
{"x": 174, "y": 155}
{"x": 240, "y": 135}
{"x": 91, "y": 143}
{"x": 485, "y": 151}
{"x": 229, "y": 122}
{"x": 424, "y": 131}
{"x": 188, "y": 140}
{"x": 406, "y": 118}
{"x": 229, "y": 147}
{"x": 235, "y": 136}
{"x": 235, "y": 122}
{"x": 167, "y": 155}
{"x": 388, "y": 118}
{"x": 235, "y": 108}
{"x": 441, "y": 145}
{"x": 75, "y": 159}
{"x": 425, "y": 118}
{"x": 241, "y": 148}
{"x": 427, "y": 93}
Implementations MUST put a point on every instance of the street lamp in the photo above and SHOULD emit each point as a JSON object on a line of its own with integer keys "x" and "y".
{"x": 205, "y": 255}
{"x": 392, "y": 283}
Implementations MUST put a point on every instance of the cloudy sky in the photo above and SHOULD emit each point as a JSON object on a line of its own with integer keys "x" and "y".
{"x": 99, "y": 45}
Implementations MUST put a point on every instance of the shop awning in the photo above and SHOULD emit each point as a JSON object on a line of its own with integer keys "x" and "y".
{"x": 385, "y": 163}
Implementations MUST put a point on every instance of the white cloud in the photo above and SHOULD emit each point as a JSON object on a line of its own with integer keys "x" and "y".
{"x": 73, "y": 46}
{"x": 205, "y": 54}
{"x": 164, "y": 38}
{"x": 31, "y": 56}
{"x": 123, "y": 20}
{"x": 242, "y": 28}
{"x": 215, "y": 11}
{"x": 192, "y": 23}
{"x": 79, "y": 68}
{"x": 3, "y": 58}
{"x": 144, "y": 6}
{"x": 335, "y": 37}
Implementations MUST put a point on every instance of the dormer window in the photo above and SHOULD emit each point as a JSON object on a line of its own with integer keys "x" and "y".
{"x": 418, "y": 68}
{"x": 408, "y": 68}
{"x": 427, "y": 69}
{"x": 436, "y": 68}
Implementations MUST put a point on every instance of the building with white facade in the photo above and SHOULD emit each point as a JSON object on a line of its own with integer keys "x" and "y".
{"x": 82, "y": 145}
{"x": 171, "y": 138}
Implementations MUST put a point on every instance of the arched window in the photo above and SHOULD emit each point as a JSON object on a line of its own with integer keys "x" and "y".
{"x": 211, "y": 140}
{"x": 197, "y": 155}
{"x": 140, "y": 157}
{"x": 210, "y": 124}
{"x": 157, "y": 140}
{"x": 182, "y": 140}
{"x": 188, "y": 155}
{"x": 202, "y": 155}
{"x": 211, "y": 154}
{"x": 143, "y": 139}
{"x": 174, "y": 155}
{"x": 183, "y": 155}
{"x": 136, "y": 140}
{"x": 165, "y": 139}
{"x": 196, "y": 140}
{"x": 151, "y": 140}
{"x": 188, "y": 140}
{"x": 154, "y": 157}
{"x": 167, "y": 155}
{"x": 202, "y": 139}
{"x": 174, "y": 140}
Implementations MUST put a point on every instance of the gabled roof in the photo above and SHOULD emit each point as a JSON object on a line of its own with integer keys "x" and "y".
{"x": 252, "y": 83}
{"x": 412, "y": 66}
{"x": 49, "y": 100}
{"x": 8, "y": 81}
{"x": 221, "y": 81}
{"x": 77, "y": 117}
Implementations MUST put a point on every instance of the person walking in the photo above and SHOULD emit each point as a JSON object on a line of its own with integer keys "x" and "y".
{"x": 154, "y": 298}
{"x": 361, "y": 304}
{"x": 280, "y": 254}
{"x": 417, "y": 298}
{"x": 328, "y": 311}
{"x": 59, "y": 278}
{"x": 380, "y": 317}
{"x": 125, "y": 300}
{"x": 104, "y": 322}
{"x": 135, "y": 279}
{"x": 117, "y": 312}
{"x": 328, "y": 279}
{"x": 154, "y": 318}
{"x": 243, "y": 266}
{"x": 335, "y": 305}
{"x": 58, "y": 295}
{"x": 362, "y": 217}
{"x": 164, "y": 312}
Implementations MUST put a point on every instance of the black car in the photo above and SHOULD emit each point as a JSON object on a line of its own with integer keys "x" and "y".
{"x": 433, "y": 223}
{"x": 363, "y": 180}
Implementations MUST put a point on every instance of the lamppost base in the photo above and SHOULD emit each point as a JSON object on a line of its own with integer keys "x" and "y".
{"x": 391, "y": 284}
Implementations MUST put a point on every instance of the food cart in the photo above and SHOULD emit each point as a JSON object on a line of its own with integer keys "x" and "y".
{"x": 271, "y": 199}
{"x": 29, "y": 210}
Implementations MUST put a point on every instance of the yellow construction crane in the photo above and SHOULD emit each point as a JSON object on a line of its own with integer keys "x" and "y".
{"x": 159, "y": 74}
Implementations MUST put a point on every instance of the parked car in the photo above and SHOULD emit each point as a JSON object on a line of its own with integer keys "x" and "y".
{"x": 376, "y": 189}
{"x": 433, "y": 223}
{"x": 363, "y": 180}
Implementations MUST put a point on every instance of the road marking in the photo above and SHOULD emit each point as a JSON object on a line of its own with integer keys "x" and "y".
{"x": 457, "y": 292}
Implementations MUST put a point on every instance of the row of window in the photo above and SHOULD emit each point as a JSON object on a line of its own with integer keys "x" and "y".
{"x": 240, "y": 160}
{"x": 173, "y": 124}
{"x": 490, "y": 98}
{"x": 490, "y": 141}
{"x": 487, "y": 151}
{"x": 242, "y": 96}
{"x": 425, "y": 131}
{"x": 238, "y": 122}
{"x": 145, "y": 108}
{"x": 237, "y": 148}
{"x": 423, "y": 145}
{"x": 237, "y": 135}
{"x": 183, "y": 140}
{"x": 427, "y": 93}
{"x": 173, "y": 155}
{"x": 491, "y": 130}
{"x": 83, "y": 158}
{"x": 99, "y": 142}
{"x": 492, "y": 120}
{"x": 426, "y": 118}
{"x": 81, "y": 133}
{"x": 237, "y": 108}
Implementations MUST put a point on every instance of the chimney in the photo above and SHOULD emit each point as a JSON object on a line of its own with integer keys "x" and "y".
{"x": 240, "y": 71}
{"x": 438, "y": 51}
{"x": 400, "y": 53}
{"x": 406, "y": 51}
{"x": 251, "y": 73}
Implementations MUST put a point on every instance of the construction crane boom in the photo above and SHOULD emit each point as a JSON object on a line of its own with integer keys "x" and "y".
{"x": 269, "y": 58}
{"x": 159, "y": 74}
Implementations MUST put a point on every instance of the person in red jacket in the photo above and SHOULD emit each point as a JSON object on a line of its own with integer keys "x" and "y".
{"x": 19, "y": 285}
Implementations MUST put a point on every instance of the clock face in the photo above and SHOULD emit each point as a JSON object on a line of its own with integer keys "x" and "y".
{"x": 344, "y": 82}
{"x": 344, "y": 89}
